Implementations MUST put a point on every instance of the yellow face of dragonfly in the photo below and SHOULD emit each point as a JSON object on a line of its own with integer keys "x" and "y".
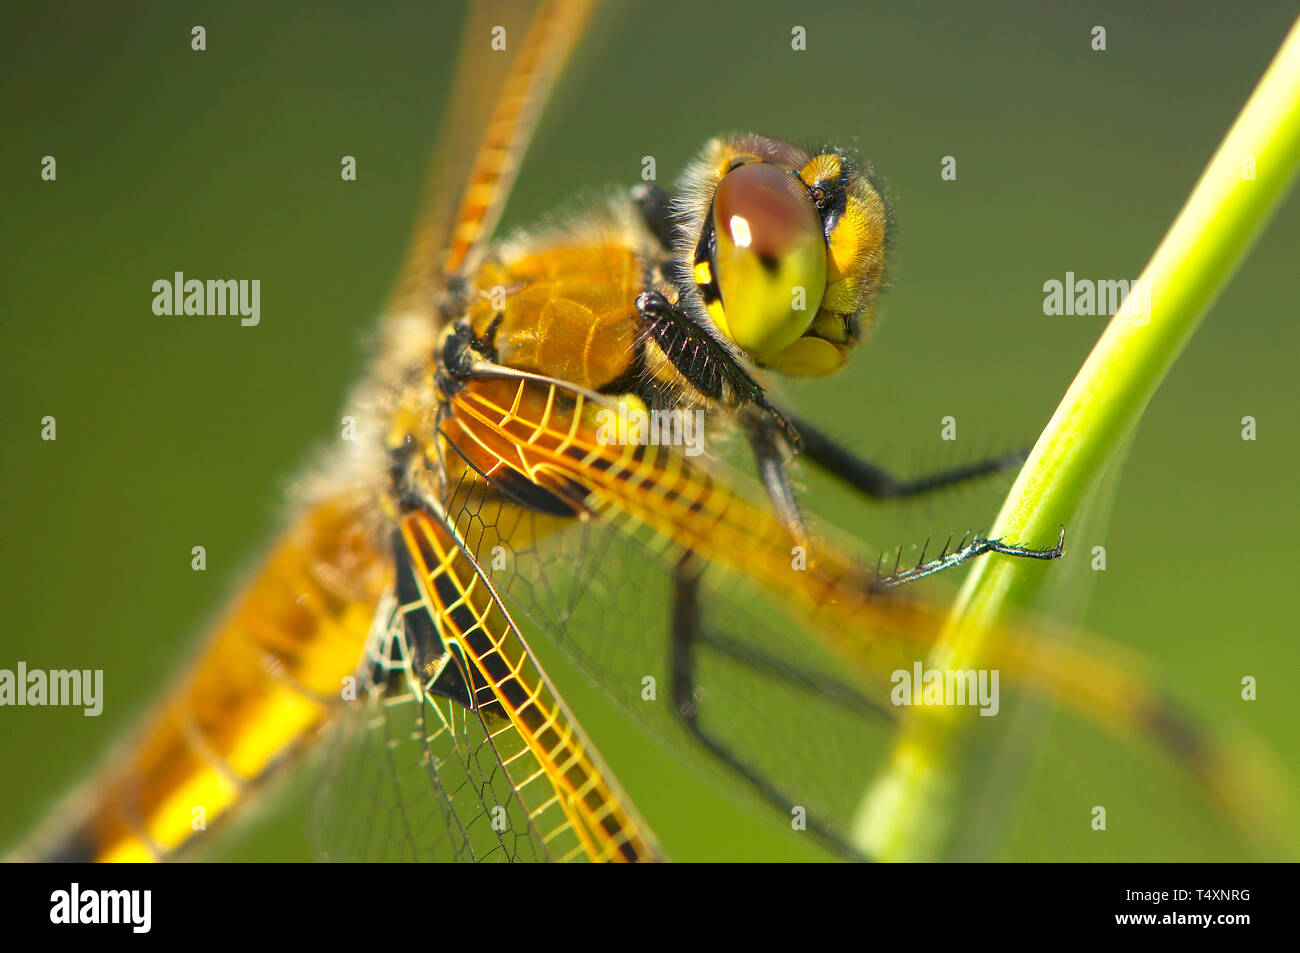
{"x": 788, "y": 250}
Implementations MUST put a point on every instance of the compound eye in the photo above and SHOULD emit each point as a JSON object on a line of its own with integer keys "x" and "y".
{"x": 770, "y": 264}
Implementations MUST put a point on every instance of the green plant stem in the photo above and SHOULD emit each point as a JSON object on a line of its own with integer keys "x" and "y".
{"x": 906, "y": 815}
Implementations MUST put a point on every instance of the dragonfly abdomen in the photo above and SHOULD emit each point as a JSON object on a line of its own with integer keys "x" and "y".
{"x": 270, "y": 676}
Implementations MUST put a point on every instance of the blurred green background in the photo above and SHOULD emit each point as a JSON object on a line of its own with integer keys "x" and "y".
{"x": 174, "y": 432}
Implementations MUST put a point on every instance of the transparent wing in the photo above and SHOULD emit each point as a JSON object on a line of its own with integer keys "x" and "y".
{"x": 761, "y": 694}
{"x": 753, "y": 682}
{"x": 460, "y": 747}
{"x": 415, "y": 778}
{"x": 793, "y": 654}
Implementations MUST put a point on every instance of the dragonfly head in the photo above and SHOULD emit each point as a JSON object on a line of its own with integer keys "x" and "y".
{"x": 786, "y": 249}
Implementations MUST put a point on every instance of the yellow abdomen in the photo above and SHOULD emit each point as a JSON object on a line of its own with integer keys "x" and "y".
{"x": 269, "y": 677}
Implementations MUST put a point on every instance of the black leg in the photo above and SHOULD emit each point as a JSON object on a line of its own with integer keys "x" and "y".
{"x": 875, "y": 482}
{"x": 705, "y": 362}
{"x": 771, "y": 451}
{"x": 687, "y": 636}
{"x": 771, "y": 454}
{"x": 814, "y": 683}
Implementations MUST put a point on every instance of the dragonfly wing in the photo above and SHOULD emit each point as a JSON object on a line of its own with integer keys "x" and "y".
{"x": 509, "y": 62}
{"x": 755, "y": 683}
{"x": 753, "y": 693}
{"x": 415, "y": 778}
{"x": 461, "y": 748}
{"x": 793, "y": 612}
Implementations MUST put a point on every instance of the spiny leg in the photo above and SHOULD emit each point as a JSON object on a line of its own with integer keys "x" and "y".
{"x": 968, "y": 548}
{"x": 702, "y": 359}
{"x": 772, "y": 454}
{"x": 775, "y": 437}
{"x": 687, "y": 636}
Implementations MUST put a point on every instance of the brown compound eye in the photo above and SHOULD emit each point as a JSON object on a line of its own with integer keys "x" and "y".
{"x": 770, "y": 244}
{"x": 764, "y": 208}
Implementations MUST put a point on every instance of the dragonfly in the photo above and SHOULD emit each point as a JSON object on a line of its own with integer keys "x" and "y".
{"x": 509, "y": 484}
